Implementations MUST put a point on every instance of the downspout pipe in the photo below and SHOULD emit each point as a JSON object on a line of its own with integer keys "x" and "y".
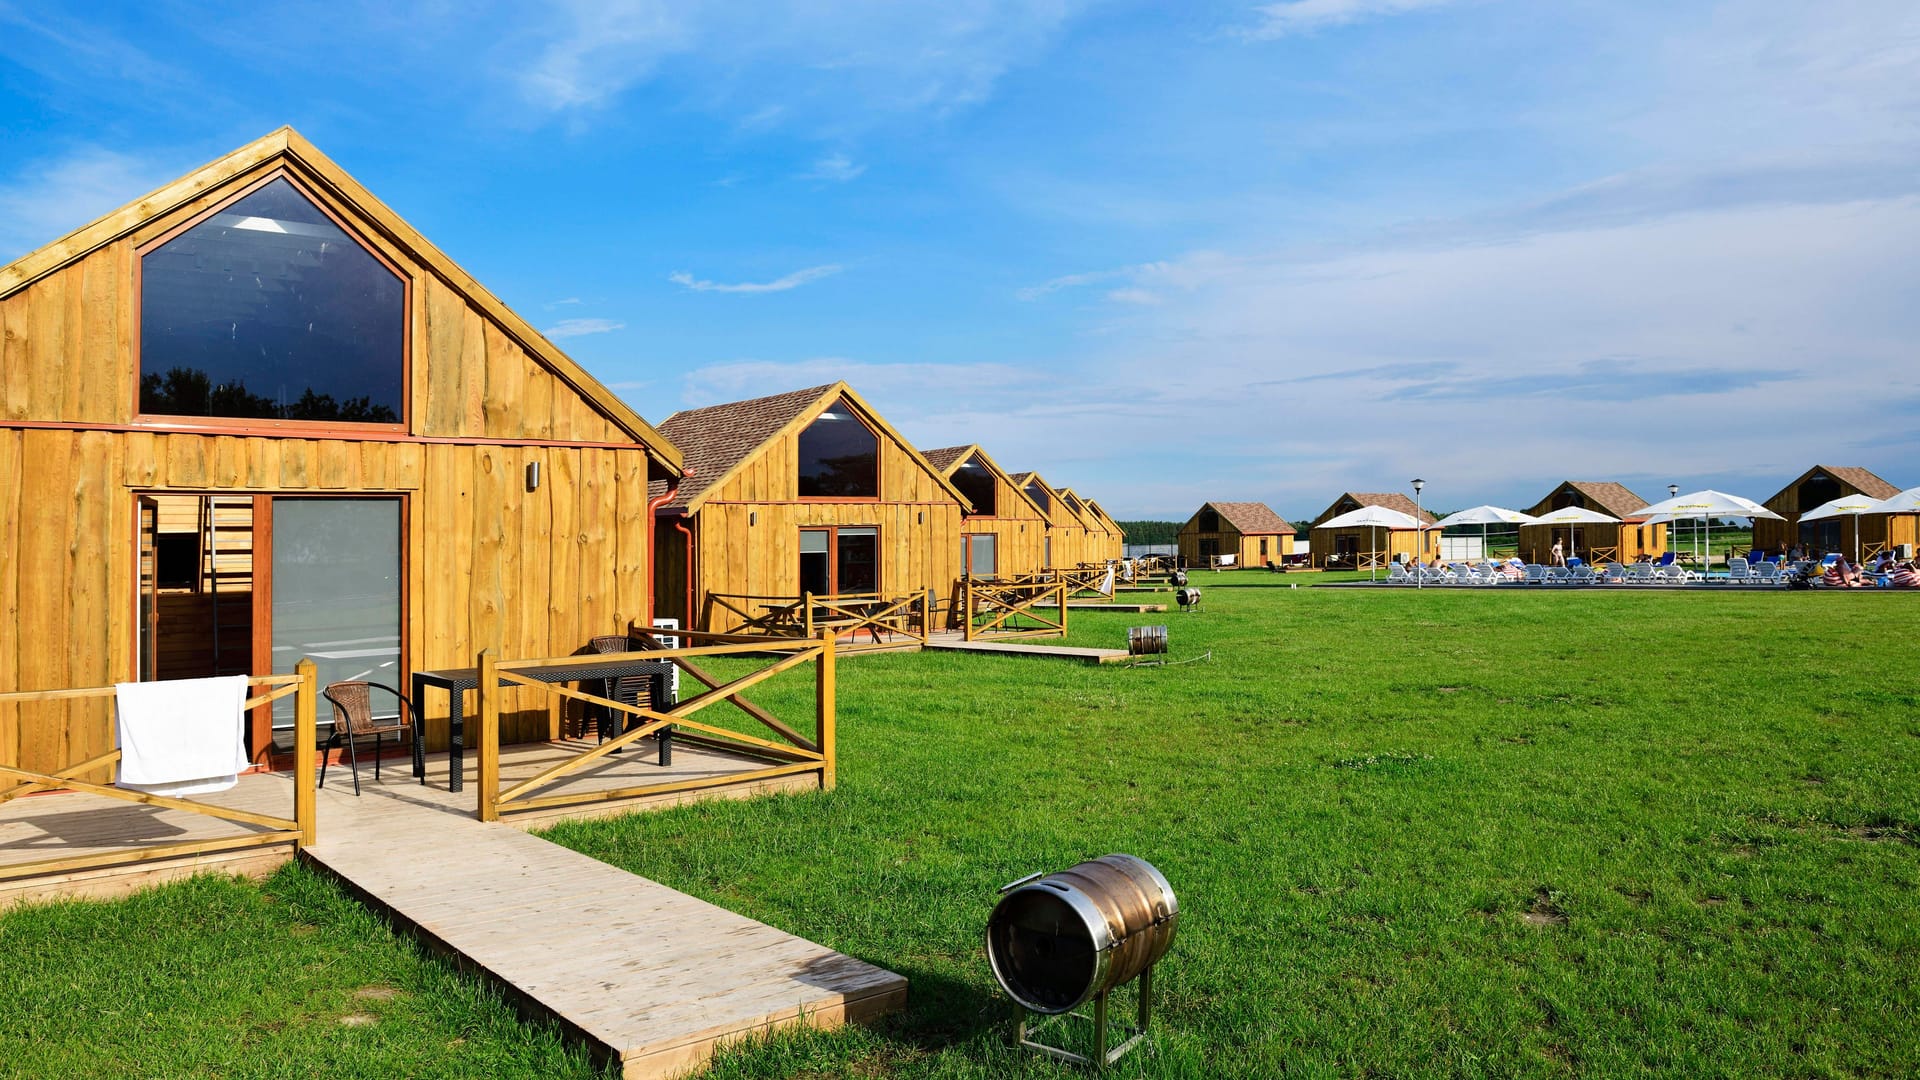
{"x": 681, "y": 524}
{"x": 653, "y": 507}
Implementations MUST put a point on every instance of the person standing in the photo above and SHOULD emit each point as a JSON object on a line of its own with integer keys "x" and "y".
{"x": 1559, "y": 555}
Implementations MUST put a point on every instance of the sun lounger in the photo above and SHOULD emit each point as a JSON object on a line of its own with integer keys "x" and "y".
{"x": 1536, "y": 574}
{"x": 1397, "y": 574}
{"x": 1738, "y": 571}
{"x": 1616, "y": 573}
{"x": 1768, "y": 573}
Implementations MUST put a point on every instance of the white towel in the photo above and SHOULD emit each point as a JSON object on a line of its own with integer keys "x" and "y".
{"x": 182, "y": 736}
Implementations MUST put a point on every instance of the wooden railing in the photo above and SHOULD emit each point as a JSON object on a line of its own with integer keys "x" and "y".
{"x": 998, "y": 608}
{"x": 794, "y": 752}
{"x": 811, "y": 614}
{"x": 298, "y": 830}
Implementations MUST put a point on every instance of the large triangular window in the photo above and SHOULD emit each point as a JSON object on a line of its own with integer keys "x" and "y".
{"x": 268, "y": 309}
{"x": 976, "y": 483}
{"x": 839, "y": 457}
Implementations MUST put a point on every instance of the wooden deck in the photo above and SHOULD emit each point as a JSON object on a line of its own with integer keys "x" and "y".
{"x": 645, "y": 976}
{"x": 1029, "y": 648}
{"x": 1101, "y": 605}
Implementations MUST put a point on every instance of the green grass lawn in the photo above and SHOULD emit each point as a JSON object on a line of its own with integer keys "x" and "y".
{"x": 1414, "y": 833}
{"x": 1447, "y": 833}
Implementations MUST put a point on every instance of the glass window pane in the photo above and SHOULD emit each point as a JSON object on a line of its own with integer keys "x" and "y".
{"x": 839, "y": 457}
{"x": 859, "y": 569}
{"x": 813, "y": 540}
{"x": 984, "y": 559}
{"x": 336, "y": 594}
{"x": 976, "y": 483}
{"x": 1038, "y": 492}
{"x": 269, "y": 310}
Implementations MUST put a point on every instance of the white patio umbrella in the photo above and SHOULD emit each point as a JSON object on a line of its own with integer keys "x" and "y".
{"x": 1906, "y": 502}
{"x": 1846, "y": 506}
{"x": 1574, "y": 515}
{"x": 1484, "y": 516}
{"x": 1708, "y": 504}
{"x": 1376, "y": 518}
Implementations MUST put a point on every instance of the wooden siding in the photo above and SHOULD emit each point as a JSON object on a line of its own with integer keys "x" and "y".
{"x": 490, "y": 564}
{"x": 1389, "y": 542}
{"x": 1020, "y": 547}
{"x": 747, "y": 531}
{"x": 1628, "y": 540}
{"x": 1245, "y": 547}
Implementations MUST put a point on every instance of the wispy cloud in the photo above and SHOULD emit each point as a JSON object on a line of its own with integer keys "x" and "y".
{"x": 567, "y": 328}
{"x": 791, "y": 281}
{"x": 45, "y": 200}
{"x": 567, "y": 302}
{"x": 838, "y": 168}
{"x": 1298, "y": 16}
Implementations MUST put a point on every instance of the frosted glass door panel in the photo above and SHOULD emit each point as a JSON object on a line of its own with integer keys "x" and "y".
{"x": 336, "y": 594}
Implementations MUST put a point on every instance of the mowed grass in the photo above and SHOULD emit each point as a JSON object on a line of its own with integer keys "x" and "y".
{"x": 221, "y": 977}
{"x": 1437, "y": 833}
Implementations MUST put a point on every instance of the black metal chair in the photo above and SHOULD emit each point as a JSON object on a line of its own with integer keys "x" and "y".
{"x": 353, "y": 720}
{"x": 626, "y": 690}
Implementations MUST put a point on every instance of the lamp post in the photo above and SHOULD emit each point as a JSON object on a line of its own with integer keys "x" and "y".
{"x": 1673, "y": 492}
{"x": 1420, "y": 520}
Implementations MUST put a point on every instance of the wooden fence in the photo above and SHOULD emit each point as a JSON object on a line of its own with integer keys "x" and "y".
{"x": 299, "y": 829}
{"x": 794, "y": 752}
{"x": 1012, "y": 608}
{"x": 810, "y": 615}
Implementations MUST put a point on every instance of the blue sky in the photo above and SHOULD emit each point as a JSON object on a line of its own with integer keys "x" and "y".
{"x": 1160, "y": 252}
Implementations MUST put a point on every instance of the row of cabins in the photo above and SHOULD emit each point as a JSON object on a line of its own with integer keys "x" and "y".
{"x": 255, "y": 415}
{"x": 1256, "y": 536}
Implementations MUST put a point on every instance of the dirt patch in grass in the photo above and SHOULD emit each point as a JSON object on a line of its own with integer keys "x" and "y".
{"x": 1545, "y": 909}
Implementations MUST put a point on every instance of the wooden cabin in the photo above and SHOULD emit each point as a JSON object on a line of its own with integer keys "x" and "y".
{"x": 1364, "y": 547}
{"x": 1868, "y": 534}
{"x": 1249, "y": 531}
{"x": 1067, "y": 544}
{"x": 1004, "y": 532}
{"x": 806, "y": 492}
{"x": 255, "y": 416}
{"x": 1093, "y": 532}
{"x": 1114, "y": 546}
{"x": 1599, "y": 543}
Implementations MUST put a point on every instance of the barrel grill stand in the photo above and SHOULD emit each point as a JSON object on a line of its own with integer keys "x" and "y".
{"x": 1102, "y": 1032}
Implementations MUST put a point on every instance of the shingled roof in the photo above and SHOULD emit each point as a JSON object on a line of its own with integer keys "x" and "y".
{"x": 1251, "y": 518}
{"x": 1861, "y": 480}
{"x": 1392, "y": 500}
{"x": 947, "y": 457}
{"x": 715, "y": 439}
{"x": 1603, "y": 495}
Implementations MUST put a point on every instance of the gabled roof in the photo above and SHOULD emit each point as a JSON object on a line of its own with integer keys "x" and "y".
{"x": 1249, "y": 518}
{"x": 1392, "y": 500}
{"x": 1058, "y": 512}
{"x": 1860, "y": 480}
{"x": 948, "y": 459}
{"x": 315, "y": 168}
{"x": 1106, "y": 518}
{"x": 719, "y": 439}
{"x": 1602, "y": 495}
{"x": 1078, "y": 506}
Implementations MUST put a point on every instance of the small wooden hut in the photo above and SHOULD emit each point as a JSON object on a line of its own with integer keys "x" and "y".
{"x": 1363, "y": 547}
{"x": 808, "y": 492}
{"x": 1004, "y": 532}
{"x": 1249, "y": 531}
{"x": 1822, "y": 484}
{"x": 1599, "y": 543}
{"x": 254, "y": 416}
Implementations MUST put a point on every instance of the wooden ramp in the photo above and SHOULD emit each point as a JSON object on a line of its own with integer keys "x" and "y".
{"x": 645, "y": 976}
{"x": 1024, "y": 648}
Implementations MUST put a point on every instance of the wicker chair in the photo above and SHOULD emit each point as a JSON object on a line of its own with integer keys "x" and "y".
{"x": 353, "y": 720}
{"x": 627, "y": 691}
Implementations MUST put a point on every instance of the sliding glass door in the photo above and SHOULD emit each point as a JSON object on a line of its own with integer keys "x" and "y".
{"x": 336, "y": 593}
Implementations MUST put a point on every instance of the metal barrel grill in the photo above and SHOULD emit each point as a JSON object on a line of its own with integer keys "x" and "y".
{"x": 1146, "y": 640}
{"x": 1188, "y": 598}
{"x": 1058, "y": 940}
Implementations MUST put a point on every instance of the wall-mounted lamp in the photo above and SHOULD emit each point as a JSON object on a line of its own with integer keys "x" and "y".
{"x": 920, "y": 518}
{"x": 533, "y": 476}
{"x": 753, "y": 517}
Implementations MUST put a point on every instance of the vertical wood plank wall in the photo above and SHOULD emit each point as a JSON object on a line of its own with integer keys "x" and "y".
{"x": 489, "y": 563}
{"x": 1019, "y": 530}
{"x": 748, "y": 529}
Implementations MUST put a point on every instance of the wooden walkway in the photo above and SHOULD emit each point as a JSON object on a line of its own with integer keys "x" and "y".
{"x": 1101, "y": 605}
{"x": 646, "y": 977}
{"x": 1026, "y": 648}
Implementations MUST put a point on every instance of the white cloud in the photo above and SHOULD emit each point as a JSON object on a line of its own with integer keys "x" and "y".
{"x": 45, "y": 200}
{"x": 837, "y": 168}
{"x": 1134, "y": 295}
{"x": 791, "y": 281}
{"x": 1296, "y": 16}
{"x": 567, "y": 328}
{"x": 567, "y": 302}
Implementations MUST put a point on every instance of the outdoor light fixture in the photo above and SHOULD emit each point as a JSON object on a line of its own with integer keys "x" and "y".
{"x": 1420, "y": 516}
{"x": 1673, "y": 491}
{"x": 1058, "y": 940}
{"x": 533, "y": 476}
{"x": 753, "y": 517}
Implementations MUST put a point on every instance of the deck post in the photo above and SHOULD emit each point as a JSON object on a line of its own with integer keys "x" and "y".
{"x": 823, "y": 694}
{"x": 967, "y": 612}
{"x": 806, "y": 613}
{"x": 489, "y": 691}
{"x": 305, "y": 740}
{"x": 1063, "y": 611}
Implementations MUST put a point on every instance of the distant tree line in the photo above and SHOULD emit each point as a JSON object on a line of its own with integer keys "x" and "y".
{"x": 191, "y": 392}
{"x": 1150, "y": 532}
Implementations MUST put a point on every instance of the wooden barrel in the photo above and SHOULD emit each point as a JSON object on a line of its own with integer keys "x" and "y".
{"x": 1142, "y": 640}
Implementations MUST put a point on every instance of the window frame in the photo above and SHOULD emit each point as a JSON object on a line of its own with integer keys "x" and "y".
{"x": 248, "y": 425}
{"x": 833, "y": 557}
{"x": 879, "y": 456}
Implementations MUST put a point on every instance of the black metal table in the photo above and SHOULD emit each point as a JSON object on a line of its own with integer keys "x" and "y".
{"x": 457, "y": 681}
